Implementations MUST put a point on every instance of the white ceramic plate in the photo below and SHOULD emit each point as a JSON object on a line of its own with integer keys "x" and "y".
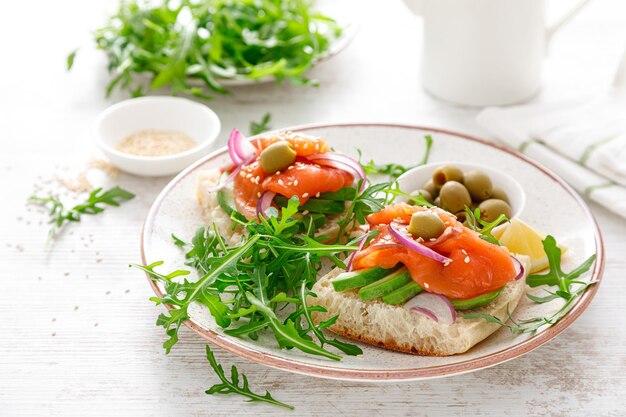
{"x": 551, "y": 206}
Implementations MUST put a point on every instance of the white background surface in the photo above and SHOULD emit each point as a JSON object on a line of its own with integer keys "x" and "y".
{"x": 78, "y": 330}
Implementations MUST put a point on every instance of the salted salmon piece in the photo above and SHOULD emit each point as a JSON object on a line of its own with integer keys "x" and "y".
{"x": 477, "y": 266}
{"x": 303, "y": 178}
{"x": 306, "y": 180}
{"x": 303, "y": 144}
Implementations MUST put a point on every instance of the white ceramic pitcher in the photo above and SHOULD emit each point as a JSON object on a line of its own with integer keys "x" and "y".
{"x": 485, "y": 52}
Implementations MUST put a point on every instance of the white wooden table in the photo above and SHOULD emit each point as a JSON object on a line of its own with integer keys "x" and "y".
{"x": 78, "y": 330}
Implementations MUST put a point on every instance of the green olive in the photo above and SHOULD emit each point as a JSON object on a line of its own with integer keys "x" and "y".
{"x": 426, "y": 224}
{"x": 454, "y": 197}
{"x": 277, "y": 156}
{"x": 497, "y": 192}
{"x": 478, "y": 184}
{"x": 437, "y": 201}
{"x": 492, "y": 208}
{"x": 430, "y": 187}
{"x": 446, "y": 173}
{"x": 461, "y": 216}
{"x": 427, "y": 196}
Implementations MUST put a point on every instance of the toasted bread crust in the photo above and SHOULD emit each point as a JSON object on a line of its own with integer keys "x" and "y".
{"x": 396, "y": 328}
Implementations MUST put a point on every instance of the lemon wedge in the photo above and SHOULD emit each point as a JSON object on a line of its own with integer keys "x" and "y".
{"x": 521, "y": 238}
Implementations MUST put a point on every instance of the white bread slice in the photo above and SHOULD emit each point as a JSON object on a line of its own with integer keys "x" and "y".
{"x": 212, "y": 213}
{"x": 396, "y": 328}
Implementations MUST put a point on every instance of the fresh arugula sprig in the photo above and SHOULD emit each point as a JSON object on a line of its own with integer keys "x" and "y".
{"x": 60, "y": 216}
{"x": 395, "y": 170}
{"x": 361, "y": 204}
{"x": 190, "y": 46}
{"x": 484, "y": 227}
{"x": 262, "y": 126}
{"x": 555, "y": 277}
{"x": 246, "y": 287}
{"x": 232, "y": 386}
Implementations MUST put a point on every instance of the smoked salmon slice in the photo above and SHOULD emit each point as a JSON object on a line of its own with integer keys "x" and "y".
{"x": 303, "y": 178}
{"x": 477, "y": 266}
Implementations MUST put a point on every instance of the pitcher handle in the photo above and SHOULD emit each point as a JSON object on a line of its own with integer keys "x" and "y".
{"x": 563, "y": 20}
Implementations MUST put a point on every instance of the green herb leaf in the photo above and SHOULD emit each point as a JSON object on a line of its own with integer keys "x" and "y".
{"x": 69, "y": 62}
{"x": 262, "y": 126}
{"x": 233, "y": 385}
{"x": 59, "y": 215}
{"x": 483, "y": 227}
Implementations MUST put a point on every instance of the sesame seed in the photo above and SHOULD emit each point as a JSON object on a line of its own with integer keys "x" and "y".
{"x": 467, "y": 259}
{"x": 290, "y": 167}
{"x": 280, "y": 182}
{"x": 317, "y": 195}
{"x": 258, "y": 178}
{"x": 249, "y": 175}
{"x": 243, "y": 174}
{"x": 305, "y": 212}
{"x": 295, "y": 183}
{"x": 306, "y": 146}
{"x": 277, "y": 172}
{"x": 317, "y": 146}
{"x": 464, "y": 251}
{"x": 305, "y": 195}
{"x": 258, "y": 194}
{"x": 432, "y": 239}
{"x": 426, "y": 285}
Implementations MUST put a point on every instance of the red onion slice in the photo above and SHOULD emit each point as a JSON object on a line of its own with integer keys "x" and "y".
{"x": 353, "y": 254}
{"x": 519, "y": 268}
{"x": 341, "y": 162}
{"x": 240, "y": 149}
{"x": 411, "y": 244}
{"x": 264, "y": 202}
{"x": 425, "y": 312}
{"x": 435, "y": 304}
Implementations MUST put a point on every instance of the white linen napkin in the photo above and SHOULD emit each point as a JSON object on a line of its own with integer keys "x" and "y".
{"x": 582, "y": 139}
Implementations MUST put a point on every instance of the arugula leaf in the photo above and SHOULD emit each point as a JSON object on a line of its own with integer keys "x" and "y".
{"x": 69, "y": 62}
{"x": 262, "y": 126}
{"x": 395, "y": 170}
{"x": 232, "y": 386}
{"x": 59, "y": 215}
{"x": 177, "y": 45}
{"x": 555, "y": 275}
{"x": 483, "y": 227}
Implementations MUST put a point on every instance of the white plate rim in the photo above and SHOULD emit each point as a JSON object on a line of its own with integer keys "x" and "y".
{"x": 332, "y": 372}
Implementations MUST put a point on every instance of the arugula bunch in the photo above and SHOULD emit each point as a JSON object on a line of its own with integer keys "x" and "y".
{"x": 252, "y": 287}
{"x": 59, "y": 215}
{"x": 395, "y": 170}
{"x": 182, "y": 44}
{"x": 555, "y": 277}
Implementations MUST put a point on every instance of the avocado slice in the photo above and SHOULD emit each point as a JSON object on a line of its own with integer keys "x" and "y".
{"x": 385, "y": 285}
{"x": 403, "y": 293}
{"x": 480, "y": 301}
{"x": 227, "y": 203}
{"x": 356, "y": 279}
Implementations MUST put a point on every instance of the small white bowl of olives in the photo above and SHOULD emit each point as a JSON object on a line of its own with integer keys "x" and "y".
{"x": 454, "y": 185}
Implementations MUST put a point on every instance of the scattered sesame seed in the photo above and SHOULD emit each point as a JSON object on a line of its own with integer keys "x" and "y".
{"x": 306, "y": 146}
{"x": 295, "y": 183}
{"x": 426, "y": 285}
{"x": 290, "y": 167}
{"x": 432, "y": 239}
{"x": 467, "y": 259}
{"x": 317, "y": 146}
{"x": 305, "y": 195}
{"x": 249, "y": 175}
{"x": 305, "y": 212}
{"x": 464, "y": 251}
{"x": 258, "y": 194}
{"x": 317, "y": 195}
{"x": 280, "y": 182}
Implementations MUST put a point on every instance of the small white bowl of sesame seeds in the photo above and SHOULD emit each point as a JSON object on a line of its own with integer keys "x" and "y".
{"x": 156, "y": 136}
